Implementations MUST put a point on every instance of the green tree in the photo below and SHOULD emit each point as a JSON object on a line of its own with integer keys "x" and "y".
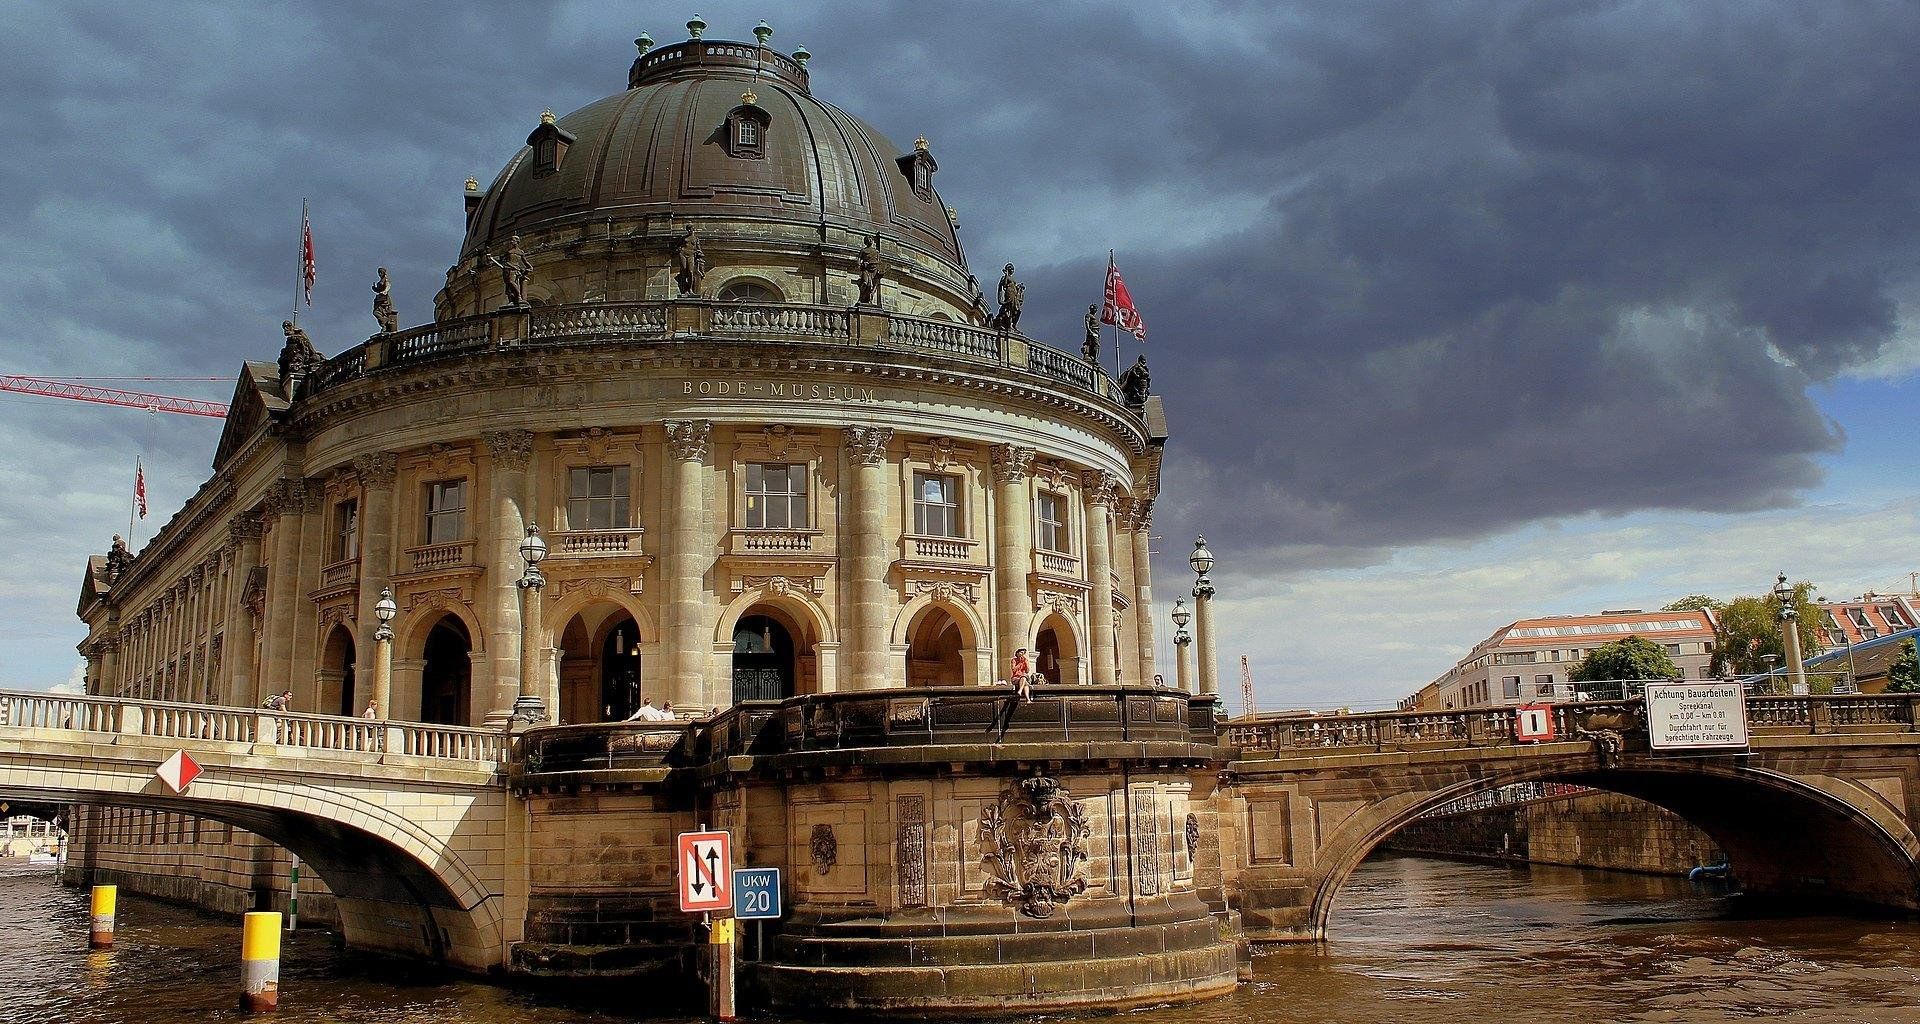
{"x": 1748, "y": 629}
{"x": 1695, "y": 603}
{"x": 1903, "y": 676}
{"x": 1631, "y": 658}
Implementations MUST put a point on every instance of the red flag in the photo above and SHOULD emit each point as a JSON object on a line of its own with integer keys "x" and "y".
{"x": 306, "y": 256}
{"x": 139, "y": 488}
{"x": 1118, "y": 309}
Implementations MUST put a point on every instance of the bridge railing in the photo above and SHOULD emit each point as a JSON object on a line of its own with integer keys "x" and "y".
{"x": 212, "y": 723}
{"x": 1386, "y": 730}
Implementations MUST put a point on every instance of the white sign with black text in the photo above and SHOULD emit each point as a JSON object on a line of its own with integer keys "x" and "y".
{"x": 1704, "y": 715}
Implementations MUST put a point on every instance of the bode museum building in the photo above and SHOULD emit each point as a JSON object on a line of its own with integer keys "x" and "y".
{"x": 715, "y": 343}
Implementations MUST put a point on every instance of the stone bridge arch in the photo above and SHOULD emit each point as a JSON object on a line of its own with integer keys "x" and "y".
{"x": 1788, "y": 826}
{"x": 408, "y": 876}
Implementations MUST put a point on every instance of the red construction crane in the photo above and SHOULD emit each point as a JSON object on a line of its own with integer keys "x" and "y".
{"x": 53, "y": 387}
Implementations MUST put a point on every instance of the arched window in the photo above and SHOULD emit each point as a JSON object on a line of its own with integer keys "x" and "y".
{"x": 748, "y": 291}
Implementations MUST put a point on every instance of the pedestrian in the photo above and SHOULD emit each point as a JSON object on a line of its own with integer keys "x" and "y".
{"x": 1159, "y": 681}
{"x": 372, "y": 711}
{"x": 1021, "y": 675}
{"x": 282, "y": 701}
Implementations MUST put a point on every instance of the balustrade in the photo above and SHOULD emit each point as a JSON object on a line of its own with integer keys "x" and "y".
{"x": 1058, "y": 564}
{"x": 779, "y": 541}
{"x": 597, "y": 542}
{"x": 340, "y": 573}
{"x": 441, "y": 556}
{"x": 943, "y": 336}
{"x": 599, "y": 320}
{"x": 951, "y": 549}
{"x": 751, "y": 319}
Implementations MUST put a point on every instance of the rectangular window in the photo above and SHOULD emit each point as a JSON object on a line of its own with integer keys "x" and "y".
{"x": 346, "y": 530}
{"x": 936, "y": 508}
{"x": 1510, "y": 687}
{"x": 597, "y": 498}
{"x": 1051, "y": 512}
{"x": 749, "y": 132}
{"x": 776, "y": 496}
{"x": 1543, "y": 686}
{"x": 1894, "y": 620}
{"x": 446, "y": 511}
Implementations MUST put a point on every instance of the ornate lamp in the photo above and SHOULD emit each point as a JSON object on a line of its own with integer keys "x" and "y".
{"x": 534, "y": 551}
{"x": 697, "y": 27}
{"x": 762, "y": 32}
{"x": 1181, "y": 616}
{"x": 1202, "y": 559}
{"x": 1784, "y": 594}
{"x": 384, "y": 610}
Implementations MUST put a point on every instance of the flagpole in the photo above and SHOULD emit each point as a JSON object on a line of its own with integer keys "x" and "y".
{"x": 133, "y": 502}
{"x": 300, "y": 261}
{"x": 1116, "y": 320}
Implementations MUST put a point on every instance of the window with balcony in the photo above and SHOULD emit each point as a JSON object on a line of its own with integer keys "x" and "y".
{"x": 1050, "y": 520}
{"x": 936, "y": 505}
{"x": 1543, "y": 686}
{"x": 598, "y": 498}
{"x": 346, "y": 530}
{"x": 776, "y": 496}
{"x": 446, "y": 519}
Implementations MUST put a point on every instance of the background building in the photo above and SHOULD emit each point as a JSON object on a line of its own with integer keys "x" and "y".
{"x": 1527, "y": 661}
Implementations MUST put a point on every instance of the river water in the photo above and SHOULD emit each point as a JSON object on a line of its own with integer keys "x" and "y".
{"x": 1412, "y": 940}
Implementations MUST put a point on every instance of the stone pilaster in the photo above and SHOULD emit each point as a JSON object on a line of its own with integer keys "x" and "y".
{"x": 863, "y": 563}
{"x": 1143, "y": 584}
{"x": 1126, "y": 663}
{"x": 375, "y": 472}
{"x": 509, "y": 452}
{"x": 240, "y": 684}
{"x": 1098, "y": 488}
{"x": 1012, "y": 552}
{"x": 283, "y": 586}
{"x": 306, "y": 620}
{"x": 685, "y": 562}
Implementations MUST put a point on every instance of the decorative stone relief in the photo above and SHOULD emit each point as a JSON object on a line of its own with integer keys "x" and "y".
{"x": 944, "y": 590}
{"x": 940, "y": 452}
{"x": 823, "y": 848}
{"x": 778, "y": 584}
{"x": 911, "y": 859}
{"x": 1100, "y": 486}
{"x": 1054, "y": 473}
{"x": 777, "y": 437}
{"x": 1193, "y": 838}
{"x": 376, "y": 469}
{"x": 601, "y": 586}
{"x": 687, "y": 439}
{"x": 1036, "y": 842}
{"x": 868, "y": 445}
{"x": 511, "y": 449}
{"x": 1142, "y": 513}
{"x": 1146, "y": 844}
{"x": 1011, "y": 462}
{"x": 1065, "y": 604}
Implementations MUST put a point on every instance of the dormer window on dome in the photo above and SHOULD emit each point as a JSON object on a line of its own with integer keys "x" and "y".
{"x": 919, "y": 166}
{"x": 549, "y": 142}
{"x": 745, "y": 133}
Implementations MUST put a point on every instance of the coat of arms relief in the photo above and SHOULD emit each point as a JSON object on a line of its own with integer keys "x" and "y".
{"x": 1036, "y": 844}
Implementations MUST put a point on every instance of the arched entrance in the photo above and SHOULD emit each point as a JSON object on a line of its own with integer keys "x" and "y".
{"x": 763, "y": 659}
{"x": 446, "y": 675}
{"x": 601, "y": 678}
{"x": 619, "y": 673}
{"x": 336, "y": 673}
{"x": 1055, "y": 654}
{"x": 933, "y": 650}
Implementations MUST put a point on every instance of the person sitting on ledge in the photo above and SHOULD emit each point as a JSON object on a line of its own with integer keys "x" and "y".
{"x": 646, "y": 712}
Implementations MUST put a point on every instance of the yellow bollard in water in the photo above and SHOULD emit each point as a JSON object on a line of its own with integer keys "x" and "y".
{"x": 260, "y": 962}
{"x": 100, "y": 932}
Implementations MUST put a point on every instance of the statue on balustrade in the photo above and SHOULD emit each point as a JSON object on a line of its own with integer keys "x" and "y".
{"x": 515, "y": 268}
{"x": 870, "y": 272}
{"x": 977, "y": 302}
{"x": 119, "y": 559}
{"x": 1090, "y": 348}
{"x": 383, "y": 310}
{"x": 689, "y": 262}
{"x": 298, "y": 357}
{"x": 1013, "y": 295}
{"x": 1135, "y": 384}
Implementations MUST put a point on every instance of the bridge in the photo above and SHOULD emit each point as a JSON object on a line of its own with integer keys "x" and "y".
{"x": 1823, "y": 804}
{"x": 405, "y": 822}
{"x": 463, "y": 844}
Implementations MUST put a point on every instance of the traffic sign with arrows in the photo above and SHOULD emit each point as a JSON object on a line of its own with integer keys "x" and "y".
{"x": 706, "y": 871}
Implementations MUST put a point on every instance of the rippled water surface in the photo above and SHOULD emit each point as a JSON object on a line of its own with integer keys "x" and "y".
{"x": 1413, "y": 940}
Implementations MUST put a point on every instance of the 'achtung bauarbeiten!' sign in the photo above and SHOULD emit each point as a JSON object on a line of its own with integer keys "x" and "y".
{"x": 1696, "y": 716}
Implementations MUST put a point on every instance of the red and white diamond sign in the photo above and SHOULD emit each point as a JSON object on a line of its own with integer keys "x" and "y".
{"x": 178, "y": 771}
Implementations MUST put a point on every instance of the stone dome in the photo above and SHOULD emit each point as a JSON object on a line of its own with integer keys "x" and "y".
{"x": 669, "y": 146}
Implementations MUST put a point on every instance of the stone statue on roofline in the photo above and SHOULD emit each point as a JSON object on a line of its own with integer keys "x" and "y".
{"x": 515, "y": 268}
{"x": 298, "y": 357}
{"x": 118, "y": 560}
{"x": 1090, "y": 348}
{"x": 1135, "y": 384}
{"x": 689, "y": 262}
{"x": 870, "y": 272}
{"x": 1013, "y": 295}
{"x": 977, "y": 302}
{"x": 383, "y": 310}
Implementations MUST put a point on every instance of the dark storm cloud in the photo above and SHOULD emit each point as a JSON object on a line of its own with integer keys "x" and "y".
{"x": 1413, "y": 271}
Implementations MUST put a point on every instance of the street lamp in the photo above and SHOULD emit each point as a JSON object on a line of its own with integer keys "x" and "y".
{"x": 1182, "y": 644}
{"x": 384, "y": 610}
{"x": 1202, "y": 562}
{"x": 530, "y": 708}
{"x": 1790, "y": 633}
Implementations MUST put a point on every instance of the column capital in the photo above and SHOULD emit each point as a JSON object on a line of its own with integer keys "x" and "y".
{"x": 1143, "y": 513}
{"x": 376, "y": 469}
{"x": 687, "y": 439}
{"x": 243, "y": 528}
{"x": 868, "y": 445}
{"x": 1100, "y": 487}
{"x": 313, "y": 492}
{"x": 510, "y": 449}
{"x": 1011, "y": 462}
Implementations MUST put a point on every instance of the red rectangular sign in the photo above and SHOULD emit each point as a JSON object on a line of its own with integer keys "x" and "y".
{"x": 706, "y": 871}
{"x": 1533, "y": 723}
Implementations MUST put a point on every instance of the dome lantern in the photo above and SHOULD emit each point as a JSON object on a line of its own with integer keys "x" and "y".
{"x": 697, "y": 27}
{"x": 763, "y": 32}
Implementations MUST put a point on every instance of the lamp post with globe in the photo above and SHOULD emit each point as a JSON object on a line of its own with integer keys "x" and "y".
{"x": 1183, "y": 644}
{"x": 1202, "y": 562}
{"x": 1790, "y": 634}
{"x": 384, "y": 610}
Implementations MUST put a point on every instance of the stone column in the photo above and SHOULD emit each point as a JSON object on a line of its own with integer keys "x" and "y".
{"x": 1012, "y": 553}
{"x": 1143, "y": 585}
{"x": 1126, "y": 650}
{"x": 283, "y": 587}
{"x": 685, "y": 562}
{"x": 109, "y": 676}
{"x": 1203, "y": 631}
{"x": 863, "y": 557}
{"x": 1098, "y": 488}
{"x": 240, "y": 684}
{"x": 375, "y": 472}
{"x": 506, "y": 526}
{"x": 306, "y": 621}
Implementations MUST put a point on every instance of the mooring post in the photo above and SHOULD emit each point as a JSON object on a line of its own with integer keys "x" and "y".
{"x": 260, "y": 962}
{"x": 720, "y": 990}
{"x": 293, "y": 894}
{"x": 100, "y": 931}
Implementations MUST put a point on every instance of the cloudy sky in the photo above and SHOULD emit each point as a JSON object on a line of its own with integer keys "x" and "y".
{"x": 1462, "y": 311}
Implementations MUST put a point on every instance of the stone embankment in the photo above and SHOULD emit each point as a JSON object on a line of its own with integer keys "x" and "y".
{"x": 1591, "y": 830}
